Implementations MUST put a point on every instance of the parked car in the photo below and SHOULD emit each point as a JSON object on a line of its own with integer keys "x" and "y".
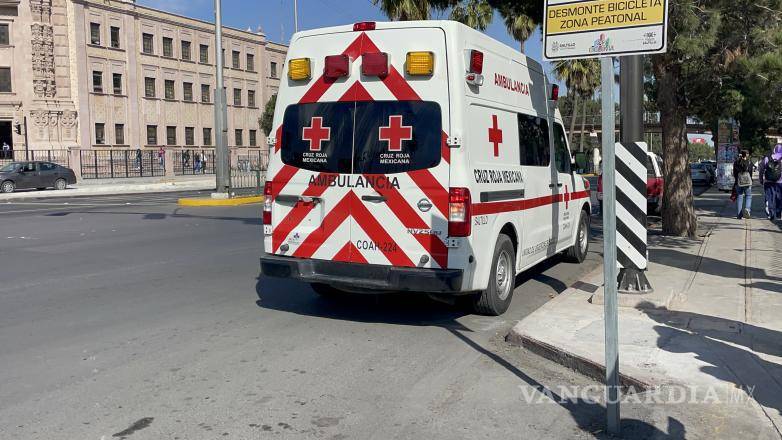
{"x": 700, "y": 175}
{"x": 711, "y": 168}
{"x": 40, "y": 175}
{"x": 654, "y": 184}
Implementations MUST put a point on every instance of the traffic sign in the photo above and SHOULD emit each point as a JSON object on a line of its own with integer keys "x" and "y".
{"x": 599, "y": 28}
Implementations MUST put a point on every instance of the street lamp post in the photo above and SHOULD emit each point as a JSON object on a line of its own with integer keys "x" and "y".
{"x": 222, "y": 157}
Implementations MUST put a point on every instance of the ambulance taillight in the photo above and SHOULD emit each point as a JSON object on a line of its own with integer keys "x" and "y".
{"x": 364, "y": 26}
{"x": 336, "y": 66}
{"x": 459, "y": 212}
{"x": 374, "y": 64}
{"x": 268, "y": 199}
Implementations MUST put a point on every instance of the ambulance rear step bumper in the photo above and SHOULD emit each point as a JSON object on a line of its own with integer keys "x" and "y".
{"x": 363, "y": 276}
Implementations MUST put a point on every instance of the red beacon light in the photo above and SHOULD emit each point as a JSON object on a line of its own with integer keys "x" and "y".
{"x": 475, "y": 71}
{"x": 374, "y": 64}
{"x": 364, "y": 26}
{"x": 554, "y": 92}
{"x": 336, "y": 66}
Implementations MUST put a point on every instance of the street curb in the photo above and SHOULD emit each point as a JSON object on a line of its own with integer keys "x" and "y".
{"x": 579, "y": 364}
{"x": 220, "y": 202}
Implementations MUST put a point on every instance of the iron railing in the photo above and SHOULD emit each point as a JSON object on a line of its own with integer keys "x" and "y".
{"x": 194, "y": 162}
{"x": 60, "y": 157}
{"x": 247, "y": 182}
{"x": 250, "y": 160}
{"x": 124, "y": 163}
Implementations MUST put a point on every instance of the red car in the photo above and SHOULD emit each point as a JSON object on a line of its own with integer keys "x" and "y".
{"x": 654, "y": 184}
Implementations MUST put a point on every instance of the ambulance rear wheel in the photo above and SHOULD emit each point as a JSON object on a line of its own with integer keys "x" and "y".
{"x": 495, "y": 300}
{"x": 577, "y": 253}
{"x": 326, "y": 290}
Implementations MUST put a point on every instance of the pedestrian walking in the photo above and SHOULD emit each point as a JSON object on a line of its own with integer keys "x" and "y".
{"x": 770, "y": 175}
{"x": 197, "y": 163}
{"x": 742, "y": 173}
{"x": 161, "y": 155}
{"x": 186, "y": 159}
{"x": 203, "y": 162}
{"x": 138, "y": 158}
{"x": 6, "y": 150}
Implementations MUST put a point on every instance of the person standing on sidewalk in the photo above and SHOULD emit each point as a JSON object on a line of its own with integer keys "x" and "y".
{"x": 771, "y": 178}
{"x": 161, "y": 154}
{"x": 742, "y": 172}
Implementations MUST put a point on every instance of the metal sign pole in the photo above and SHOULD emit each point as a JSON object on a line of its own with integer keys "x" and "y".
{"x": 609, "y": 247}
{"x": 222, "y": 171}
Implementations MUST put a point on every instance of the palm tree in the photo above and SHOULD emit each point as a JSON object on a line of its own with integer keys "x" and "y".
{"x": 590, "y": 85}
{"x": 519, "y": 26}
{"x": 476, "y": 14}
{"x": 405, "y": 10}
{"x": 577, "y": 75}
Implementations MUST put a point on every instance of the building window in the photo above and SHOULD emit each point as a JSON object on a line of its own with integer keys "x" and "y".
{"x": 114, "y": 37}
{"x": 117, "y": 83}
{"x": 189, "y": 136}
{"x": 95, "y": 34}
{"x": 97, "y": 81}
{"x": 187, "y": 91}
{"x": 5, "y": 37}
{"x": 238, "y": 137}
{"x": 169, "y": 89}
{"x": 253, "y": 138}
{"x": 205, "y": 94}
{"x": 148, "y": 43}
{"x": 151, "y": 134}
{"x": 251, "y": 98}
{"x": 100, "y": 134}
{"x": 222, "y": 56}
{"x": 235, "y": 59}
{"x": 273, "y": 70}
{"x": 149, "y": 87}
{"x": 170, "y": 135}
{"x": 119, "y": 134}
{"x": 250, "y": 62}
{"x": 186, "y": 50}
{"x": 204, "y": 53}
{"x": 168, "y": 47}
{"x": 207, "y": 136}
{"x": 237, "y": 97}
{"x": 5, "y": 79}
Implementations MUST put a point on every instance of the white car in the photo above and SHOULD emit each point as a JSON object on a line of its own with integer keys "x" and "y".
{"x": 418, "y": 156}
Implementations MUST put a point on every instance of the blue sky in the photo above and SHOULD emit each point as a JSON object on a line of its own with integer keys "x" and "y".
{"x": 275, "y": 17}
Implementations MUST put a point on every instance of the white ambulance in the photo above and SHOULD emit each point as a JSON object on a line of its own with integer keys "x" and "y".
{"x": 417, "y": 156}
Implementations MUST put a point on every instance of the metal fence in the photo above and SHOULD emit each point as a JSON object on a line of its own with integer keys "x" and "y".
{"x": 193, "y": 162}
{"x": 251, "y": 160}
{"x": 59, "y": 157}
{"x": 121, "y": 163}
{"x": 247, "y": 182}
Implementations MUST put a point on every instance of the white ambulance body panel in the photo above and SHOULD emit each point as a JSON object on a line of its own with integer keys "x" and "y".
{"x": 361, "y": 166}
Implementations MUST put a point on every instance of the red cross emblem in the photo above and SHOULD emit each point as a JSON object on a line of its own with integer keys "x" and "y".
{"x": 394, "y": 133}
{"x": 316, "y": 133}
{"x": 495, "y": 135}
{"x": 566, "y": 197}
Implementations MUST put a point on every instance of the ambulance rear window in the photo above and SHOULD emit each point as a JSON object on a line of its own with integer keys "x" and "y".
{"x": 371, "y": 137}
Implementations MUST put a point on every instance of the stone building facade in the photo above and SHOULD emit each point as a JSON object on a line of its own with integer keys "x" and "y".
{"x": 114, "y": 74}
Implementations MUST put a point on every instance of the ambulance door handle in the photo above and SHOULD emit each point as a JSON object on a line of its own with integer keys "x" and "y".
{"x": 285, "y": 198}
{"x": 558, "y": 185}
{"x": 376, "y": 199}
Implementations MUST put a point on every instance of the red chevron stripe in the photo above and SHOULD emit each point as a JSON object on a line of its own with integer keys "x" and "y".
{"x": 296, "y": 214}
{"x": 375, "y": 231}
{"x": 330, "y": 223}
{"x": 432, "y": 189}
{"x": 410, "y": 219}
{"x": 349, "y": 254}
{"x": 282, "y": 178}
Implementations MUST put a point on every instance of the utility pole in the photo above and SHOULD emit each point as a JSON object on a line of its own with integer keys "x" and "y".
{"x": 609, "y": 247}
{"x": 222, "y": 157}
{"x": 26, "y": 141}
{"x": 295, "y": 16}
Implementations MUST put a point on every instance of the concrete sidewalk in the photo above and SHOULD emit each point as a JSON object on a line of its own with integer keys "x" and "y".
{"x": 713, "y": 323}
{"x": 120, "y": 186}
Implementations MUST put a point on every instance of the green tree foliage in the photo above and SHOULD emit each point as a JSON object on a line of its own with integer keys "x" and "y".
{"x": 699, "y": 152}
{"x": 476, "y": 14}
{"x": 267, "y": 118}
{"x": 579, "y": 77}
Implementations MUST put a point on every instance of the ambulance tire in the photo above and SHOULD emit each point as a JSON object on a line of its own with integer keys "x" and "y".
{"x": 577, "y": 253}
{"x": 325, "y": 290}
{"x": 496, "y": 299}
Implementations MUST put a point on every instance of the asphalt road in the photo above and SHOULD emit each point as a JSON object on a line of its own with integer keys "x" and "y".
{"x": 129, "y": 317}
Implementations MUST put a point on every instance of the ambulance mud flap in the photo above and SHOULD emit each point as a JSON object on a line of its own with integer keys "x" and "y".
{"x": 364, "y": 276}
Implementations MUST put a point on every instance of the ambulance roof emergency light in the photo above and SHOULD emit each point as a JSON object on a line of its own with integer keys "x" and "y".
{"x": 336, "y": 66}
{"x": 364, "y": 26}
{"x": 374, "y": 64}
{"x": 419, "y": 63}
{"x": 299, "y": 69}
{"x": 475, "y": 68}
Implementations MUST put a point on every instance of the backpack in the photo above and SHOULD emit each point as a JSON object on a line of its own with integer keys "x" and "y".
{"x": 773, "y": 171}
